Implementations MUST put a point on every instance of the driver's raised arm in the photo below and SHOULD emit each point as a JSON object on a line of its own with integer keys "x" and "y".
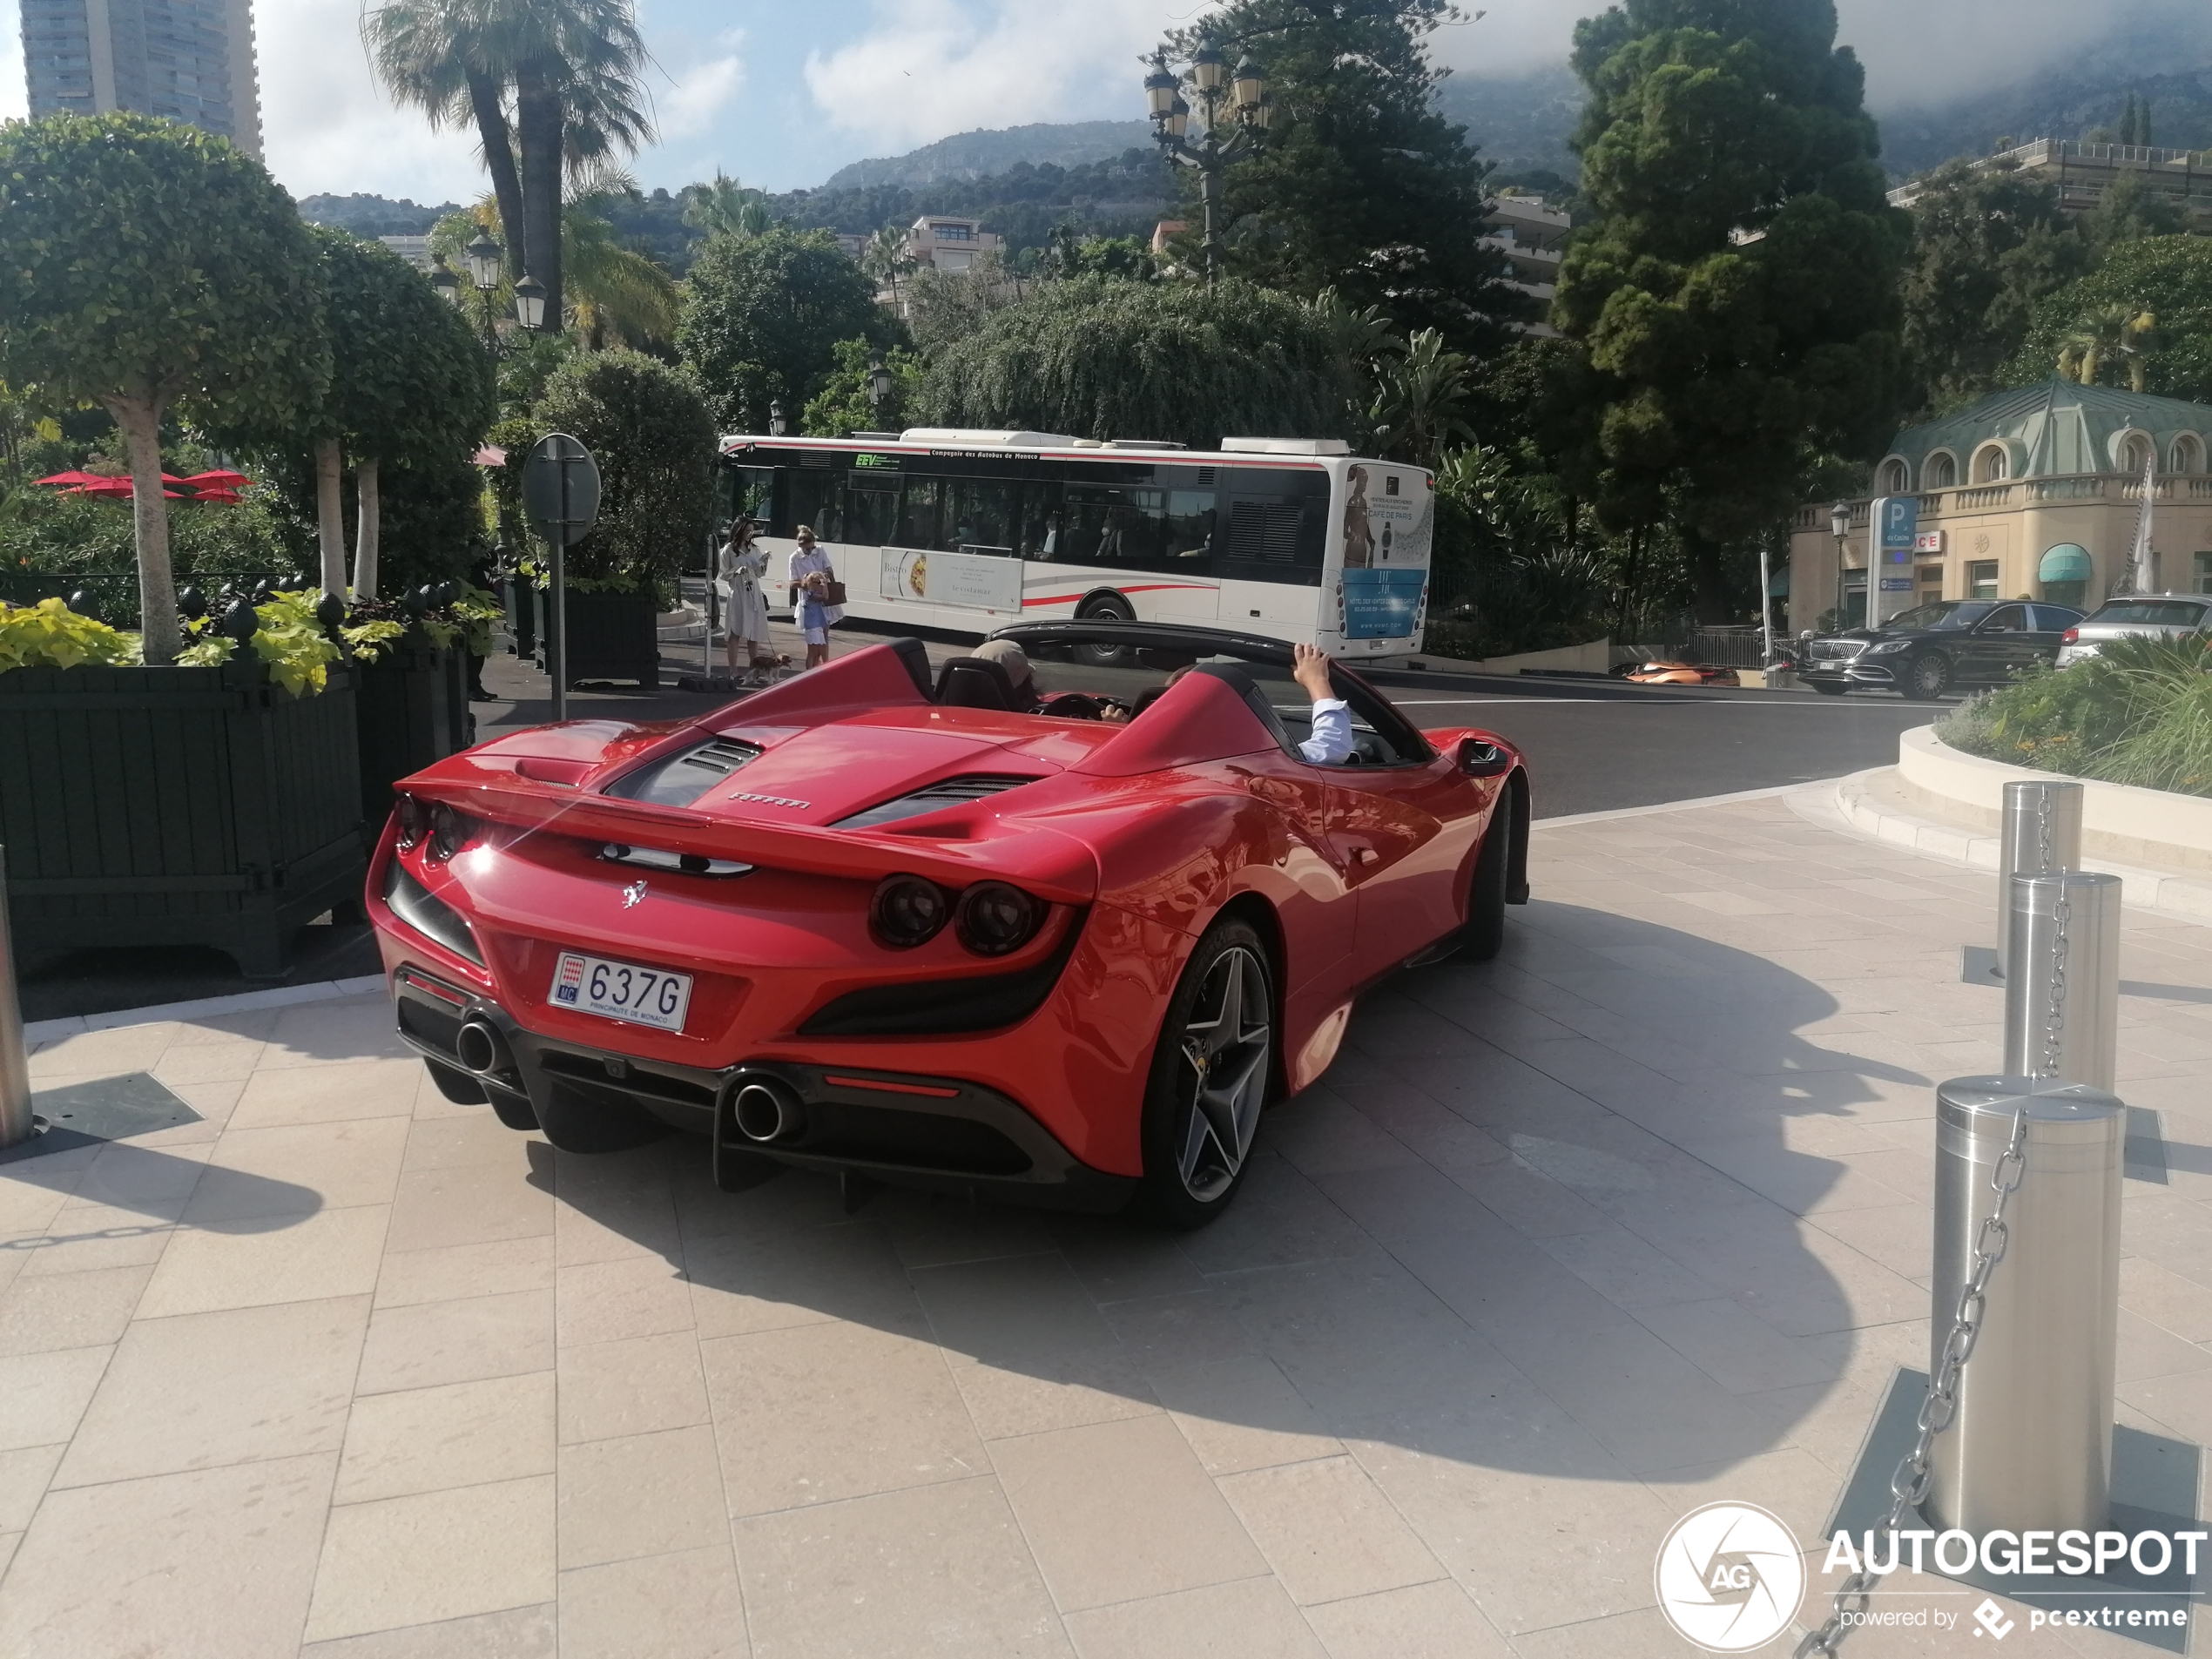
{"x": 1332, "y": 739}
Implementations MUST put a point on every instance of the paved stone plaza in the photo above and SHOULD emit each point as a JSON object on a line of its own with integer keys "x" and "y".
{"x": 1632, "y": 1219}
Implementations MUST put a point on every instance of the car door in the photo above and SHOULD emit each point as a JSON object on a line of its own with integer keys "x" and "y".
{"x": 2046, "y": 631}
{"x": 1404, "y": 832}
{"x": 2000, "y": 641}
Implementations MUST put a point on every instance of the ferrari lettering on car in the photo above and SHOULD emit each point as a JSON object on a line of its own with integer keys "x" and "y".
{"x": 1027, "y": 934}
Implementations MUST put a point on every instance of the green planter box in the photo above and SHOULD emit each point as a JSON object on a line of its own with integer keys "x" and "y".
{"x": 520, "y": 598}
{"x": 612, "y": 637}
{"x": 176, "y": 806}
{"x": 411, "y": 708}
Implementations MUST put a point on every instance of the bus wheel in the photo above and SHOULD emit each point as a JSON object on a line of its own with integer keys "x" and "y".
{"x": 1109, "y": 610}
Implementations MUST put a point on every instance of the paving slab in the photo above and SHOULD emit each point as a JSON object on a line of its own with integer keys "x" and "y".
{"x": 1634, "y": 1218}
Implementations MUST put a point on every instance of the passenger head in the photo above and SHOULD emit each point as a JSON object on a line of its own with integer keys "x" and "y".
{"x": 1016, "y": 661}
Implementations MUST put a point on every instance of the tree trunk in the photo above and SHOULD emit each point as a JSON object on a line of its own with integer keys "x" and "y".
{"x": 139, "y": 419}
{"x": 538, "y": 120}
{"x": 368, "y": 527}
{"x": 499, "y": 157}
{"x": 330, "y": 514}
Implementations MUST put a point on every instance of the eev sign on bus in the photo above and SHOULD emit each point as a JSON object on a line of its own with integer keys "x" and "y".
{"x": 1897, "y": 534}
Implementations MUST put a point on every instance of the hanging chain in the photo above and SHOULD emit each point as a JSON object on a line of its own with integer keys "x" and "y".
{"x": 1909, "y": 1484}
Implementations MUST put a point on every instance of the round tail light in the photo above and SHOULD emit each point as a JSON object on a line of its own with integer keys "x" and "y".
{"x": 414, "y": 821}
{"x": 907, "y": 911}
{"x": 994, "y": 917}
{"x": 449, "y": 832}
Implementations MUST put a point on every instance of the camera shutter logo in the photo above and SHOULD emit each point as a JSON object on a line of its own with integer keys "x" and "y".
{"x": 1730, "y": 1577}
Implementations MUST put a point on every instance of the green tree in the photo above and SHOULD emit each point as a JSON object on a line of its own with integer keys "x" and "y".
{"x": 1174, "y": 361}
{"x": 762, "y": 318}
{"x": 646, "y": 423}
{"x": 1421, "y": 403}
{"x": 2108, "y": 336}
{"x": 726, "y": 208}
{"x": 572, "y": 68}
{"x": 1737, "y": 284}
{"x": 2169, "y": 278}
{"x": 1987, "y": 245}
{"x": 888, "y": 257}
{"x": 617, "y": 291}
{"x": 844, "y": 406}
{"x": 145, "y": 263}
{"x": 1361, "y": 186}
{"x": 2132, "y": 208}
{"x": 943, "y": 306}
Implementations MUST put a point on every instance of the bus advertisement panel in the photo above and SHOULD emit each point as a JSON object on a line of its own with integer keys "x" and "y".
{"x": 966, "y": 531}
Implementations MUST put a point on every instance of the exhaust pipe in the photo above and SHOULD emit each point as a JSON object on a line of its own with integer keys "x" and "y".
{"x": 767, "y": 1110}
{"x": 481, "y": 1046}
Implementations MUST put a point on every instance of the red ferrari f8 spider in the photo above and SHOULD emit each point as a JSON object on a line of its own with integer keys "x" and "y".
{"x": 912, "y": 930}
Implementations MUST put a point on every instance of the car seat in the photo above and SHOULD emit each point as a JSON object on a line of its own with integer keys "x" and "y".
{"x": 974, "y": 683}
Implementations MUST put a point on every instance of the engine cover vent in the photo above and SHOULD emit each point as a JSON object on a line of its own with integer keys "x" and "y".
{"x": 946, "y": 791}
{"x": 679, "y": 780}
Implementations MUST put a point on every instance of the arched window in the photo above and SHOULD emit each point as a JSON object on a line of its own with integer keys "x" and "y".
{"x": 1897, "y": 477}
{"x": 1991, "y": 464}
{"x": 1939, "y": 471}
{"x": 2188, "y": 453}
{"x": 2135, "y": 453}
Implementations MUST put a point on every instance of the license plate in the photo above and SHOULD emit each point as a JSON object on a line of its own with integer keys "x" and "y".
{"x": 621, "y": 991}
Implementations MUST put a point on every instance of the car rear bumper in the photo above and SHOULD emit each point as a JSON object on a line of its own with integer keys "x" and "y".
{"x": 938, "y": 1133}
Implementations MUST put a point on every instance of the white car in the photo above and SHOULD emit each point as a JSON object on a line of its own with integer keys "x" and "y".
{"x": 2160, "y": 615}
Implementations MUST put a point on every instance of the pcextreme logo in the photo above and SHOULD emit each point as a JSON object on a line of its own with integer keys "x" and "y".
{"x": 1728, "y": 1577}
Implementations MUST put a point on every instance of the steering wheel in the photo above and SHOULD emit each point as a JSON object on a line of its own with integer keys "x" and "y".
{"x": 1079, "y": 705}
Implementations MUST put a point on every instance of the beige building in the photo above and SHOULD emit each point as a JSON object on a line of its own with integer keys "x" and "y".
{"x": 942, "y": 243}
{"x": 1533, "y": 236}
{"x": 2029, "y": 494}
{"x": 2083, "y": 173}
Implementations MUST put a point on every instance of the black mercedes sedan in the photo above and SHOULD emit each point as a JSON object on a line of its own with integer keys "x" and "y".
{"x": 1937, "y": 647}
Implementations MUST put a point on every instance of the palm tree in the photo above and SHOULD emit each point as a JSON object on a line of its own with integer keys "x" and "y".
{"x": 886, "y": 256}
{"x": 2110, "y": 332}
{"x": 617, "y": 290}
{"x": 1422, "y": 403}
{"x": 572, "y": 68}
{"x": 726, "y": 208}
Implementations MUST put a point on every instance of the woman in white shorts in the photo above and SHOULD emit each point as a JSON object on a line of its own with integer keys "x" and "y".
{"x": 812, "y": 573}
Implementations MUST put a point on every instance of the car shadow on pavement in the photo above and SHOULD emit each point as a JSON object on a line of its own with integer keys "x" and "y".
{"x": 1544, "y": 1220}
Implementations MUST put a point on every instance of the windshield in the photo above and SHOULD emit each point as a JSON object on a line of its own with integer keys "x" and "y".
{"x": 2167, "y": 613}
{"x": 1941, "y": 613}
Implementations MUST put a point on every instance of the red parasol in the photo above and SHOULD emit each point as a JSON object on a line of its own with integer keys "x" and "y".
{"x": 119, "y": 489}
{"x": 492, "y": 455}
{"x": 219, "y": 478}
{"x": 70, "y": 478}
{"x": 220, "y": 498}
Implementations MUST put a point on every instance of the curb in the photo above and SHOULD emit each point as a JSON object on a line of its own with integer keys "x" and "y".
{"x": 281, "y": 996}
{"x": 1863, "y": 805}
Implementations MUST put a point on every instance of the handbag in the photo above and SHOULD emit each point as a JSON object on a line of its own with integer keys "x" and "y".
{"x": 833, "y": 593}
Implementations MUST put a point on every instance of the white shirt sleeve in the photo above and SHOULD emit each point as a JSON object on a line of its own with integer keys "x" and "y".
{"x": 1332, "y": 739}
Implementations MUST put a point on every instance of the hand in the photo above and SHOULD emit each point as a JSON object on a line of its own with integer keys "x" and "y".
{"x": 1112, "y": 714}
{"x": 1310, "y": 668}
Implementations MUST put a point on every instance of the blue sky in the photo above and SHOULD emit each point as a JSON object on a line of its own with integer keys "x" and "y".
{"x": 783, "y": 92}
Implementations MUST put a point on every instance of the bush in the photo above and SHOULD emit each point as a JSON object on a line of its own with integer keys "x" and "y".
{"x": 647, "y": 426}
{"x": 44, "y": 535}
{"x": 762, "y": 319}
{"x": 2139, "y": 713}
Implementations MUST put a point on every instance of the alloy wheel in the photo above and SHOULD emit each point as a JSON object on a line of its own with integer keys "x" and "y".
{"x": 1221, "y": 1074}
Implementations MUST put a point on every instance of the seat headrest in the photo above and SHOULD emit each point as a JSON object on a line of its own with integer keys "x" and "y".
{"x": 974, "y": 683}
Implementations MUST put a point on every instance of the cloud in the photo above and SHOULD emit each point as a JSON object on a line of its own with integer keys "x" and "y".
{"x": 700, "y": 97}
{"x": 927, "y": 68}
{"x": 328, "y": 126}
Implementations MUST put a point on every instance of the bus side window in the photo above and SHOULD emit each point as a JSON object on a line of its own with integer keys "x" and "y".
{"x": 918, "y": 515}
{"x": 1190, "y": 528}
{"x": 1042, "y": 518}
{"x": 871, "y": 508}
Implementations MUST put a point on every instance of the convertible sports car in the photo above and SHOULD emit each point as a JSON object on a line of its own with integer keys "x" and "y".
{"x": 910, "y": 929}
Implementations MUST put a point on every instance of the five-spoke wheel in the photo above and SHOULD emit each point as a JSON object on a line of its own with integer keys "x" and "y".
{"x": 1210, "y": 1078}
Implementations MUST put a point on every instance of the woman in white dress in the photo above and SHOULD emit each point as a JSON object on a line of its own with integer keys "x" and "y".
{"x": 744, "y": 567}
{"x": 812, "y": 573}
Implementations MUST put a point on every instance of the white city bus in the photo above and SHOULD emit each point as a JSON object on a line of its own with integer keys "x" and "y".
{"x": 966, "y": 531}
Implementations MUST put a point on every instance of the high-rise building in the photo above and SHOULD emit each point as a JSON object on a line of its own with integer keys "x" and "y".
{"x": 191, "y": 60}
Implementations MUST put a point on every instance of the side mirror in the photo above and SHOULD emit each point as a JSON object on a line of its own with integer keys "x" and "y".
{"x": 1480, "y": 758}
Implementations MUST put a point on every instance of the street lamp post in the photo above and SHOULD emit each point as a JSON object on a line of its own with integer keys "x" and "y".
{"x": 529, "y": 303}
{"x": 878, "y": 392}
{"x": 1210, "y": 153}
{"x": 776, "y": 424}
{"x": 1839, "y": 526}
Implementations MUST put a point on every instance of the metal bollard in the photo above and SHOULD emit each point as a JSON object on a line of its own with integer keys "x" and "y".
{"x": 2062, "y": 980}
{"x": 2030, "y": 1444}
{"x": 17, "y": 1124}
{"x": 2041, "y": 832}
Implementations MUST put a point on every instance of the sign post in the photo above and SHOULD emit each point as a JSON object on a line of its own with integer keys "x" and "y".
{"x": 1897, "y": 532}
{"x": 561, "y": 499}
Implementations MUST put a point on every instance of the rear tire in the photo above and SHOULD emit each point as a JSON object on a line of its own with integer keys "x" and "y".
{"x": 1105, "y": 656}
{"x": 1484, "y": 936}
{"x": 1211, "y": 1074}
{"x": 1827, "y": 689}
{"x": 1928, "y": 678}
